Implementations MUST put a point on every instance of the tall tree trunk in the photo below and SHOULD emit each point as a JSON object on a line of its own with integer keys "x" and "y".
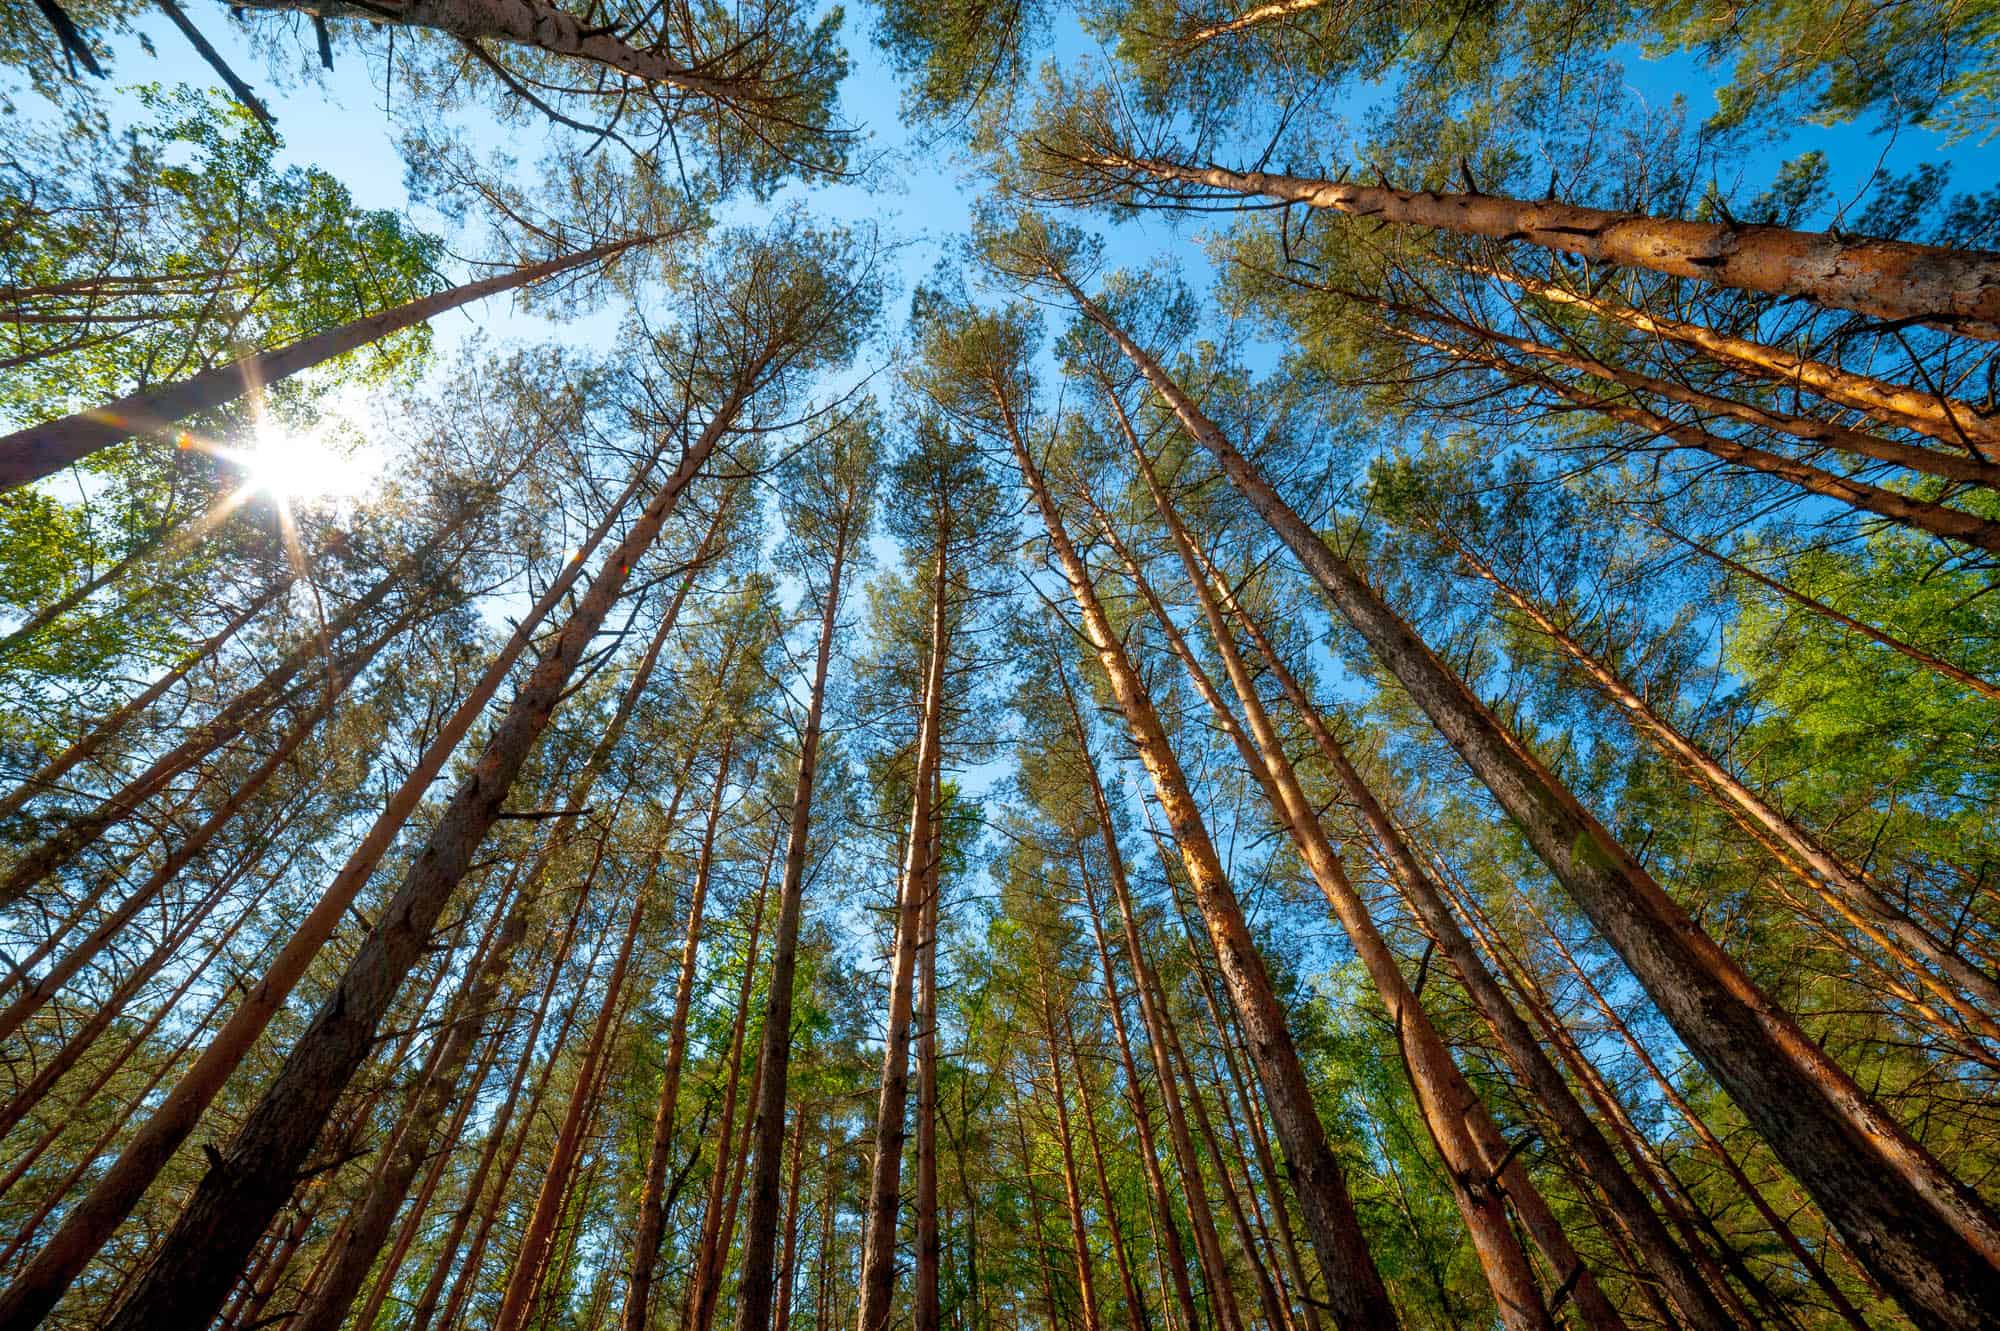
{"x": 169, "y": 528}
{"x": 1955, "y": 289}
{"x": 1135, "y": 1305}
{"x": 1169, "y": 1241}
{"x": 652, "y": 1195}
{"x": 41, "y": 450}
{"x": 1924, "y": 1235}
{"x": 192, "y": 1267}
{"x": 1208, "y": 1246}
{"x": 924, "y": 1297}
{"x": 1445, "y": 1099}
{"x": 1664, "y": 1259}
{"x": 1079, "y": 1234}
{"x": 878, "y": 1260}
{"x": 1933, "y": 519}
{"x": 774, "y": 1052}
{"x": 186, "y": 850}
{"x": 788, "y": 1264}
{"x": 90, "y": 1224}
{"x": 425, "y": 1306}
{"x": 44, "y": 779}
{"x": 712, "y": 1250}
{"x": 1824, "y": 434}
{"x": 1354, "y": 1286}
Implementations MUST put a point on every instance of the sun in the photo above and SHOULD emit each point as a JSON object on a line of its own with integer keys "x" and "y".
{"x": 323, "y": 465}
{"x": 307, "y": 467}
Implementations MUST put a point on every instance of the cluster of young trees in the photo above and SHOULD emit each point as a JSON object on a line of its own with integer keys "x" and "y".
{"x": 1443, "y": 777}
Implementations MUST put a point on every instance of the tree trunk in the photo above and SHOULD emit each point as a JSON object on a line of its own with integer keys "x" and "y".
{"x": 1928, "y": 660}
{"x": 774, "y": 1053}
{"x": 1208, "y": 1246}
{"x": 652, "y": 1196}
{"x": 711, "y": 1253}
{"x": 1838, "y": 883}
{"x": 1354, "y": 1286}
{"x": 1930, "y": 413}
{"x": 1079, "y": 1234}
{"x": 1824, "y": 434}
{"x": 924, "y": 1304}
{"x": 45, "y": 777}
{"x": 1135, "y": 1306}
{"x": 1169, "y": 1241}
{"x": 86, "y": 1229}
{"x": 190, "y": 1271}
{"x": 1925, "y": 1236}
{"x": 1663, "y": 1258}
{"x": 1958, "y": 290}
{"x": 878, "y": 1261}
{"x": 1444, "y": 1098}
{"x": 41, "y": 450}
{"x": 1939, "y": 520}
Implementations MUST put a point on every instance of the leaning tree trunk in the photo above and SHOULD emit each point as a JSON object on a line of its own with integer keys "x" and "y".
{"x": 335, "y": 1293}
{"x": 1355, "y": 1290}
{"x": 1925, "y": 1236}
{"x": 41, "y": 450}
{"x": 653, "y": 1189}
{"x": 1169, "y": 1241}
{"x": 1954, "y": 289}
{"x": 1928, "y": 660}
{"x": 44, "y": 779}
{"x": 1933, "y": 519}
{"x": 192, "y": 1268}
{"x": 1663, "y": 1258}
{"x": 1842, "y": 885}
{"x": 1807, "y": 429}
{"x": 1460, "y": 1129}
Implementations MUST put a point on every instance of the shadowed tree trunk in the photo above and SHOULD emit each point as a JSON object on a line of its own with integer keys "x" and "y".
{"x": 878, "y": 1261}
{"x": 1666, "y": 1261}
{"x": 91, "y": 1221}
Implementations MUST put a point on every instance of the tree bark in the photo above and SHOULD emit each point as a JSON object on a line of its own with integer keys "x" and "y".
{"x": 1664, "y": 1259}
{"x": 878, "y": 1261}
{"x": 1446, "y": 1101}
{"x": 1840, "y": 884}
{"x": 90, "y": 1224}
{"x": 1930, "y": 661}
{"x": 652, "y": 1195}
{"x": 1954, "y": 289}
{"x": 1208, "y": 1246}
{"x": 1947, "y": 419}
{"x": 1169, "y": 1240}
